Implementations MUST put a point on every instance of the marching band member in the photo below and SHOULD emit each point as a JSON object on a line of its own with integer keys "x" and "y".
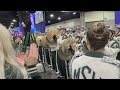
{"x": 65, "y": 53}
{"x": 74, "y": 32}
{"x": 59, "y": 43}
{"x": 83, "y": 32}
{"x": 112, "y": 48}
{"x": 51, "y": 39}
{"x": 62, "y": 37}
{"x": 65, "y": 36}
{"x": 118, "y": 39}
{"x": 71, "y": 33}
{"x": 95, "y": 64}
{"x": 79, "y": 47}
{"x": 39, "y": 36}
{"x": 78, "y": 31}
{"x": 68, "y": 33}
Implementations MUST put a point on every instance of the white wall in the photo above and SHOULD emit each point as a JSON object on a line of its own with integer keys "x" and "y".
{"x": 91, "y": 16}
{"x": 108, "y": 17}
{"x": 99, "y": 15}
{"x": 68, "y": 23}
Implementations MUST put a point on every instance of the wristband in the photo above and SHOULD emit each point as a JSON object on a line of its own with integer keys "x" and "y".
{"x": 32, "y": 69}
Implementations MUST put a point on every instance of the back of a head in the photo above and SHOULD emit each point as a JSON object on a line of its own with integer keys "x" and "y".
{"x": 98, "y": 36}
{"x": 7, "y": 53}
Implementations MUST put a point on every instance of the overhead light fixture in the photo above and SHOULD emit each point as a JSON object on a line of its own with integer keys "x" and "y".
{"x": 74, "y": 13}
{"x": 51, "y": 15}
{"x": 65, "y": 11}
{"x": 59, "y": 18}
{"x": 14, "y": 20}
{"x": 48, "y": 21}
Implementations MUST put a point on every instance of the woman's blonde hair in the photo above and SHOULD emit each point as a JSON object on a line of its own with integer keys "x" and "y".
{"x": 7, "y": 53}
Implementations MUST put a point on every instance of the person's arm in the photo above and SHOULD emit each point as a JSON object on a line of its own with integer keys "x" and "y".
{"x": 33, "y": 72}
{"x": 31, "y": 59}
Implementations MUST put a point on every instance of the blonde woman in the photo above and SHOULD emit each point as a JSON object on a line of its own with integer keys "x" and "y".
{"x": 10, "y": 68}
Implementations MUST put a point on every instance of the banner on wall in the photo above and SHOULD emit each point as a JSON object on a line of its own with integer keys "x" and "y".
{"x": 39, "y": 17}
{"x": 32, "y": 16}
{"x": 117, "y": 17}
{"x": 39, "y": 21}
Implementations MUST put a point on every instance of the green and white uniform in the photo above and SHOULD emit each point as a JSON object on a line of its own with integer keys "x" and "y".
{"x": 65, "y": 36}
{"x": 61, "y": 63}
{"x": 115, "y": 43}
{"x": 74, "y": 35}
{"x": 53, "y": 54}
{"x": 111, "y": 52}
{"x": 70, "y": 35}
{"x": 112, "y": 48}
{"x": 79, "y": 50}
{"x": 93, "y": 65}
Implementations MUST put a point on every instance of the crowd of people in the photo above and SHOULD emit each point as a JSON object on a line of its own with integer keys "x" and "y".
{"x": 76, "y": 53}
{"x": 96, "y": 42}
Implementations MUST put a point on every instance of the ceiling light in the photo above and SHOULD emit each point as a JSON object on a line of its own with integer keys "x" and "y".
{"x": 65, "y": 11}
{"x": 51, "y": 15}
{"x": 74, "y": 13}
{"x": 59, "y": 18}
{"x": 14, "y": 20}
{"x": 48, "y": 21}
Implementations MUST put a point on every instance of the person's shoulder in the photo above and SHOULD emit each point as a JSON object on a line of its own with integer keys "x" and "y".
{"x": 12, "y": 72}
{"x": 78, "y": 59}
{"x": 111, "y": 61}
{"x": 111, "y": 49}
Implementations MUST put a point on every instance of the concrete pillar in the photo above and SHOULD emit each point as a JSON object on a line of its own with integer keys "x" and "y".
{"x": 82, "y": 19}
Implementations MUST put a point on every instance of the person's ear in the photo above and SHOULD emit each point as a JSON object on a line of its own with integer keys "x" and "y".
{"x": 87, "y": 43}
